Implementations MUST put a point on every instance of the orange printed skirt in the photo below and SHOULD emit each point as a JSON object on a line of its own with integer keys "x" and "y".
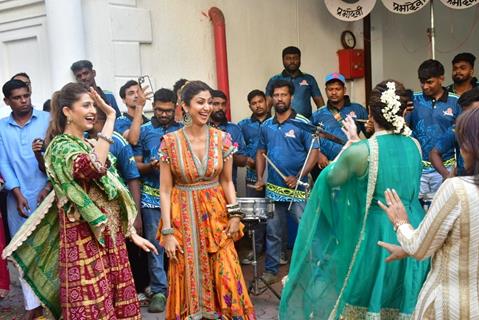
{"x": 207, "y": 280}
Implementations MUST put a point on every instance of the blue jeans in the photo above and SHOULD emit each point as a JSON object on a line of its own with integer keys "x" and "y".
{"x": 275, "y": 232}
{"x": 151, "y": 219}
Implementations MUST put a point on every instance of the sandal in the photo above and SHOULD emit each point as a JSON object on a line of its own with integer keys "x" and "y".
{"x": 143, "y": 300}
{"x": 3, "y": 293}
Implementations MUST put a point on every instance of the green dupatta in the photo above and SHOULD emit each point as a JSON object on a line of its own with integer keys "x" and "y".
{"x": 35, "y": 247}
{"x": 326, "y": 246}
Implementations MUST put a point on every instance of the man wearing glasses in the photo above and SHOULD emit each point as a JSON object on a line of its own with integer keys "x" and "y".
{"x": 146, "y": 157}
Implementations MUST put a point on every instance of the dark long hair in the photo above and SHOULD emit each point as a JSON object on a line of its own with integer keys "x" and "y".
{"x": 376, "y": 106}
{"x": 191, "y": 89}
{"x": 69, "y": 94}
{"x": 467, "y": 133}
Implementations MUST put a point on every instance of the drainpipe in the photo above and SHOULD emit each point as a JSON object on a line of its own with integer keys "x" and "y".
{"x": 218, "y": 21}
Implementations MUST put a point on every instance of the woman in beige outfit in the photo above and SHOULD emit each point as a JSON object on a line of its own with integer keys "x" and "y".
{"x": 449, "y": 233}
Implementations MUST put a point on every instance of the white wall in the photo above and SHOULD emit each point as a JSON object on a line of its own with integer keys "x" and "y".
{"x": 400, "y": 44}
{"x": 256, "y": 33}
{"x": 24, "y": 47}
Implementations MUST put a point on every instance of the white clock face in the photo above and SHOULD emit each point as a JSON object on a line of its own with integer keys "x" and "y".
{"x": 349, "y": 39}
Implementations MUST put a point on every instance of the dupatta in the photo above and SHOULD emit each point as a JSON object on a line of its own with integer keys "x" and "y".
{"x": 326, "y": 246}
{"x": 35, "y": 247}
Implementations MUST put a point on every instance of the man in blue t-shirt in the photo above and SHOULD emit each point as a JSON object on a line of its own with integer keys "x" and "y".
{"x": 218, "y": 120}
{"x": 330, "y": 117}
{"x": 146, "y": 157}
{"x": 286, "y": 144}
{"x": 305, "y": 86}
{"x": 250, "y": 128}
{"x": 134, "y": 101}
{"x": 84, "y": 73}
{"x": 470, "y": 99}
{"x": 435, "y": 111}
{"x": 463, "y": 73}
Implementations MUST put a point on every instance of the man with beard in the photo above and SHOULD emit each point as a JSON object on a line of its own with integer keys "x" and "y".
{"x": 27, "y": 186}
{"x": 84, "y": 73}
{"x": 286, "y": 145}
{"x": 146, "y": 157}
{"x": 462, "y": 73}
{"x": 250, "y": 129}
{"x": 218, "y": 120}
{"x": 305, "y": 86}
{"x": 330, "y": 116}
{"x": 134, "y": 100}
{"x": 435, "y": 111}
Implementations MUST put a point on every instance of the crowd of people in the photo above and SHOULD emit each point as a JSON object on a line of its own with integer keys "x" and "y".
{"x": 109, "y": 211}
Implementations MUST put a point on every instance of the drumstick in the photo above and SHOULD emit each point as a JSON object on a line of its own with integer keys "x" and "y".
{"x": 274, "y": 166}
{"x": 299, "y": 182}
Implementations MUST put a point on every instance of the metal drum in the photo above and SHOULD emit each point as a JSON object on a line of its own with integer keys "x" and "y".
{"x": 256, "y": 209}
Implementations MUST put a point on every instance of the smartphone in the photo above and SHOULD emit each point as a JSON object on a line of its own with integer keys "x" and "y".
{"x": 144, "y": 81}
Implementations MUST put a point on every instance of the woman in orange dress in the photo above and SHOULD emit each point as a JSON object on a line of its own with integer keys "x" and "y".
{"x": 199, "y": 216}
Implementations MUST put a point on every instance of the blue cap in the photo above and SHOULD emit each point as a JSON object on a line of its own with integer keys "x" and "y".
{"x": 335, "y": 76}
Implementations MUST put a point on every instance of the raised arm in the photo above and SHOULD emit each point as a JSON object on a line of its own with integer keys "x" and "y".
{"x": 431, "y": 234}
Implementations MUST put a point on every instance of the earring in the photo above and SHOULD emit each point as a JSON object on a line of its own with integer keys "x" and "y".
{"x": 187, "y": 120}
{"x": 69, "y": 120}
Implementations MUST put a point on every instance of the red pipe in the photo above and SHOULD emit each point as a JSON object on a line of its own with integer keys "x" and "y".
{"x": 219, "y": 30}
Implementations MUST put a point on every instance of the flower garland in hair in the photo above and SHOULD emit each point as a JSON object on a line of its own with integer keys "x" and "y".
{"x": 393, "y": 106}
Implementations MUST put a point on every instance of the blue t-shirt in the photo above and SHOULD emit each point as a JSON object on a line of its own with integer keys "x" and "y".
{"x": 286, "y": 145}
{"x": 123, "y": 122}
{"x": 125, "y": 162}
{"x": 147, "y": 147}
{"x": 110, "y": 99}
{"x": 448, "y": 141}
{"x": 305, "y": 88}
{"x": 237, "y": 138}
{"x": 250, "y": 129}
{"x": 324, "y": 117}
{"x": 430, "y": 119}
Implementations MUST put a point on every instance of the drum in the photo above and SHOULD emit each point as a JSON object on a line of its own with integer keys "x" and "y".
{"x": 256, "y": 209}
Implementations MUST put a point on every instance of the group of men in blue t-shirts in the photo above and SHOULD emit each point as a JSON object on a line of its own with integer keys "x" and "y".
{"x": 283, "y": 143}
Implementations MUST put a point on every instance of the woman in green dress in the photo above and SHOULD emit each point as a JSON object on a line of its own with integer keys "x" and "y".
{"x": 338, "y": 271}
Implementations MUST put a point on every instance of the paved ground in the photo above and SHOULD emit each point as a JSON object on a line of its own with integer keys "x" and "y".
{"x": 266, "y": 304}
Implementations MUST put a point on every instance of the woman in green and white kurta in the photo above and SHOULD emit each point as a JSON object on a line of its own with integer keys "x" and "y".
{"x": 338, "y": 270}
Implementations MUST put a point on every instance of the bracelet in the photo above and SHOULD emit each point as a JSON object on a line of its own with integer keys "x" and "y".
{"x": 99, "y": 167}
{"x": 236, "y": 215}
{"x": 399, "y": 223}
{"x": 231, "y": 208}
{"x": 167, "y": 231}
{"x": 104, "y": 137}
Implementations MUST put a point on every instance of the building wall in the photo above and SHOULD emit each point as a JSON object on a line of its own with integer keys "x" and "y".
{"x": 170, "y": 39}
{"x": 24, "y": 46}
{"x": 181, "y": 42}
{"x": 400, "y": 44}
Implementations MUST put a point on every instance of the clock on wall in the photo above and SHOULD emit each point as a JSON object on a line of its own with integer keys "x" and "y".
{"x": 348, "y": 40}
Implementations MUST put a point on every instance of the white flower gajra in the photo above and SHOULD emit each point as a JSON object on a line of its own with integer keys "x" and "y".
{"x": 393, "y": 106}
